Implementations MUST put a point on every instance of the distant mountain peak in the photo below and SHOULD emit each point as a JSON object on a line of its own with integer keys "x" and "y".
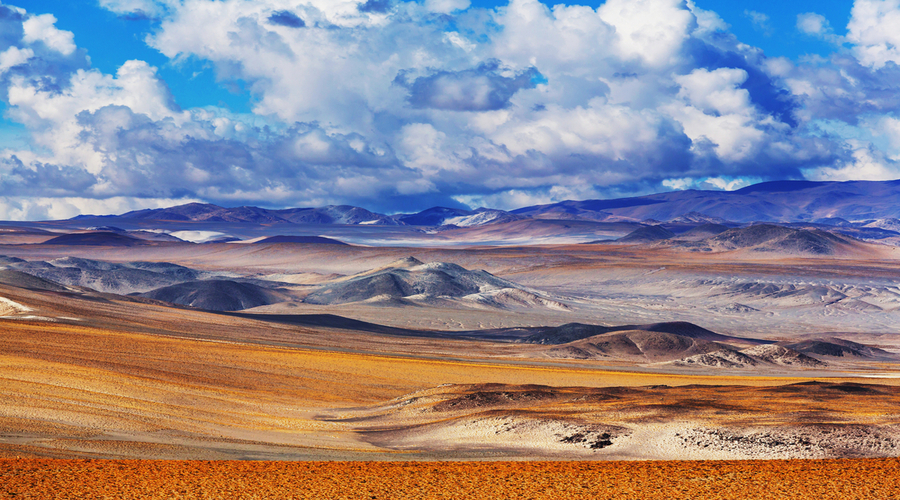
{"x": 776, "y": 201}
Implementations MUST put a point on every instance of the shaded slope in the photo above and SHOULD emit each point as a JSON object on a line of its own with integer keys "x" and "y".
{"x": 629, "y": 344}
{"x": 565, "y": 333}
{"x": 215, "y": 295}
{"x": 104, "y": 276}
{"x": 342, "y": 323}
{"x": 99, "y": 238}
{"x": 20, "y": 279}
{"x": 576, "y": 331}
{"x": 647, "y": 234}
{"x": 704, "y": 231}
{"x": 774, "y": 238}
{"x": 838, "y": 348}
{"x": 299, "y": 239}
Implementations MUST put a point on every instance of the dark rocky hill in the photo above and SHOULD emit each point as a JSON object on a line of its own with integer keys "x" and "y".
{"x": 774, "y": 238}
{"x": 215, "y": 295}
{"x": 647, "y": 234}
{"x": 576, "y": 331}
{"x": 20, "y": 279}
{"x": 630, "y": 344}
{"x": 838, "y": 348}
{"x": 99, "y": 238}
{"x": 319, "y": 240}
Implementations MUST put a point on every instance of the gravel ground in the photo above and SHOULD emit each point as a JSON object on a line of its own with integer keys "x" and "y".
{"x": 102, "y": 479}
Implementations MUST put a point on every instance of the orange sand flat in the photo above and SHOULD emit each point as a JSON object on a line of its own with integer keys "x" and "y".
{"x": 83, "y": 392}
{"x": 138, "y": 479}
{"x": 107, "y": 364}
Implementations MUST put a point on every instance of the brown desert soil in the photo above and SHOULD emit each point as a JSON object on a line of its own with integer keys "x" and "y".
{"x": 145, "y": 479}
{"x": 79, "y": 391}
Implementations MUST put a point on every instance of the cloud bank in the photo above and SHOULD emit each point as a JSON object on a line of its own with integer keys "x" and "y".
{"x": 399, "y": 105}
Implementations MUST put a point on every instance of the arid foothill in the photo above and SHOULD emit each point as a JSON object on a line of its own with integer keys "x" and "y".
{"x": 763, "y": 341}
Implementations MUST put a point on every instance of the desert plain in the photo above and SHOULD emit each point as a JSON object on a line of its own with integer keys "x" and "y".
{"x": 637, "y": 369}
{"x": 449, "y": 249}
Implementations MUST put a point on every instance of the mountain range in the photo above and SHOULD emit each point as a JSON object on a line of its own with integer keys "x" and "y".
{"x": 779, "y": 201}
{"x": 872, "y": 204}
{"x": 761, "y": 237}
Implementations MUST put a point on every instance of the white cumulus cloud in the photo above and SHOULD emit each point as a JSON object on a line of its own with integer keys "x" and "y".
{"x": 874, "y": 33}
{"x": 446, "y": 6}
{"x": 397, "y": 104}
{"x": 42, "y": 29}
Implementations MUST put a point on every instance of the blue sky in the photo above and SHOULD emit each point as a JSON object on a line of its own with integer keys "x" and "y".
{"x": 112, "y": 39}
{"x": 111, "y": 105}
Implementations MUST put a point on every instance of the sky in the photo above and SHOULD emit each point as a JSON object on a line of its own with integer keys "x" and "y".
{"x": 397, "y": 106}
